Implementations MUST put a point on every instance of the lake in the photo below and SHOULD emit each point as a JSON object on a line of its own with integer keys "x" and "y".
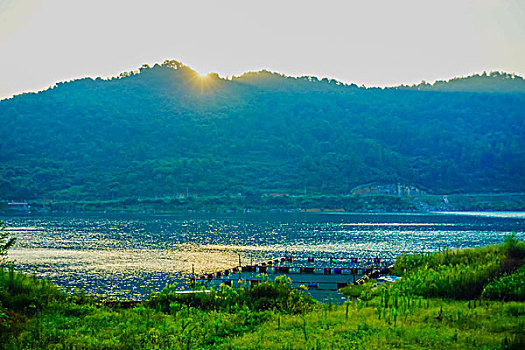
{"x": 128, "y": 257}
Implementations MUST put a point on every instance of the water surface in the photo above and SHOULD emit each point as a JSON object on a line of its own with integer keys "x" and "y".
{"x": 130, "y": 256}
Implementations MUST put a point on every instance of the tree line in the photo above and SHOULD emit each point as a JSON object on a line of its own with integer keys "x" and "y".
{"x": 165, "y": 130}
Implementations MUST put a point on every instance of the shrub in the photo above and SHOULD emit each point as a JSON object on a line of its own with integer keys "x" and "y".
{"x": 363, "y": 291}
{"x": 507, "y": 287}
{"x": 26, "y": 293}
{"x": 462, "y": 274}
{"x": 514, "y": 248}
{"x": 267, "y": 295}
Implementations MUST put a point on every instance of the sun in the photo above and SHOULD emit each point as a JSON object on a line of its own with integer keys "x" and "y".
{"x": 203, "y": 82}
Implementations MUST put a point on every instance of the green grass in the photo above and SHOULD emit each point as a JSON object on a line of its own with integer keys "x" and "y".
{"x": 458, "y": 274}
{"x": 441, "y": 310}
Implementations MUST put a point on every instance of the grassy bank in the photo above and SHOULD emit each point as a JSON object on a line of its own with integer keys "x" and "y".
{"x": 472, "y": 298}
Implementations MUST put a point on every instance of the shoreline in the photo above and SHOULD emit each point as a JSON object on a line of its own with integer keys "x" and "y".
{"x": 324, "y": 204}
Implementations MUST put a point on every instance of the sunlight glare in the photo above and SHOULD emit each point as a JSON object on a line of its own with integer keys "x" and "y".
{"x": 202, "y": 75}
{"x": 202, "y": 82}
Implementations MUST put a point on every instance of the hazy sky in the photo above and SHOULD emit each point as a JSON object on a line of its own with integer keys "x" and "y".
{"x": 371, "y": 42}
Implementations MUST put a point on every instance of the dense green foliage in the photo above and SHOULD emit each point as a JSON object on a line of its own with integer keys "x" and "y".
{"x": 165, "y": 131}
{"x": 277, "y": 295}
{"x": 25, "y": 293}
{"x": 508, "y": 287}
{"x": 34, "y": 314}
{"x": 239, "y": 203}
{"x": 464, "y": 274}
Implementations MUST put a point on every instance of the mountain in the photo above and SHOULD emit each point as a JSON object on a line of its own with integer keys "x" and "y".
{"x": 165, "y": 130}
{"x": 496, "y": 82}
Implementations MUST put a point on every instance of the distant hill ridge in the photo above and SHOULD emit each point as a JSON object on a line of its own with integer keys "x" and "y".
{"x": 485, "y": 82}
{"x": 491, "y": 82}
{"x": 166, "y": 130}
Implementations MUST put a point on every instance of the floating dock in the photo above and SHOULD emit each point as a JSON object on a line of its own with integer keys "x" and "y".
{"x": 321, "y": 277}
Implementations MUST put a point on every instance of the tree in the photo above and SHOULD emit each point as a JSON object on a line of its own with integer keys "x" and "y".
{"x": 5, "y": 243}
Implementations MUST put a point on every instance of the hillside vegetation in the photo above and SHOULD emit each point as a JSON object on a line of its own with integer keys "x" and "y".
{"x": 449, "y": 300}
{"x": 166, "y": 130}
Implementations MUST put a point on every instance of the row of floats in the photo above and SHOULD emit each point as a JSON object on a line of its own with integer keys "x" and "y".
{"x": 254, "y": 282}
{"x": 272, "y": 266}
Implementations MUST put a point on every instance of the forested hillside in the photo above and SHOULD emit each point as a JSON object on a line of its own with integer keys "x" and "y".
{"x": 165, "y": 130}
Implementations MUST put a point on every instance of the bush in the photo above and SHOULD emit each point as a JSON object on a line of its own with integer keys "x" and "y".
{"x": 267, "y": 295}
{"x": 507, "y": 287}
{"x": 462, "y": 274}
{"x": 362, "y": 292}
{"x": 26, "y": 293}
{"x": 514, "y": 248}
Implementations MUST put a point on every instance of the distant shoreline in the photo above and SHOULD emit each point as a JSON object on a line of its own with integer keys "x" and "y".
{"x": 318, "y": 204}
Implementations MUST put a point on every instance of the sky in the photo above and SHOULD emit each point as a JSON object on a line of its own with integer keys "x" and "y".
{"x": 366, "y": 42}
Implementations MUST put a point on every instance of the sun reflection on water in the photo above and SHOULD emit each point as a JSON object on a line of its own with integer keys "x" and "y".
{"x": 130, "y": 257}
